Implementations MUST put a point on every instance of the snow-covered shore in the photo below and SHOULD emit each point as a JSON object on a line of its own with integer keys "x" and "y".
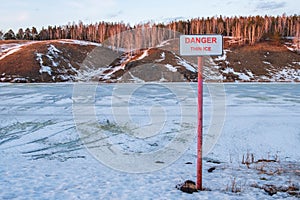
{"x": 42, "y": 155}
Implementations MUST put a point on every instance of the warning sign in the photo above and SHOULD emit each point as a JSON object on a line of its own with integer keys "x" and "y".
{"x": 201, "y": 45}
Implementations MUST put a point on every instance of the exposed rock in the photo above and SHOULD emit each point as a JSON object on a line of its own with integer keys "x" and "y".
{"x": 211, "y": 169}
{"x": 188, "y": 187}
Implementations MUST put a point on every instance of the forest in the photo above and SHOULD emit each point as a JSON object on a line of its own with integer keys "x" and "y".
{"x": 246, "y": 30}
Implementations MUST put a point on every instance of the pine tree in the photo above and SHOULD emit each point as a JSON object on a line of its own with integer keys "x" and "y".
{"x": 10, "y": 35}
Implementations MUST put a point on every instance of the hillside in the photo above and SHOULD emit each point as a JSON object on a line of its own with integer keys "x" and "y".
{"x": 44, "y": 61}
{"x": 265, "y": 61}
{"x": 73, "y": 60}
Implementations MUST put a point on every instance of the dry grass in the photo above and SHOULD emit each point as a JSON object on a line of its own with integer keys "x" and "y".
{"x": 252, "y": 57}
{"x": 234, "y": 186}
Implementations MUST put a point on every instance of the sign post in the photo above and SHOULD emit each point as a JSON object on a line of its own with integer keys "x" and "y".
{"x": 200, "y": 45}
{"x": 200, "y": 123}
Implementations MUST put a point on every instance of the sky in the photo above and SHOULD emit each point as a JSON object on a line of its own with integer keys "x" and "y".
{"x": 15, "y": 14}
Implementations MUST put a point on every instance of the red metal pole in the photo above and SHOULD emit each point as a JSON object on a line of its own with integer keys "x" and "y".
{"x": 199, "y": 141}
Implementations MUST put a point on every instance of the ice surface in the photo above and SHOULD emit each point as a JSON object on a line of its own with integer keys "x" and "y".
{"x": 43, "y": 157}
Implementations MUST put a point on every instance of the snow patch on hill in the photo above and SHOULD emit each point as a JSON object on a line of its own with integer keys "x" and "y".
{"x": 242, "y": 76}
{"x": 50, "y": 64}
{"x": 11, "y": 48}
{"x": 286, "y": 74}
{"x": 171, "y": 68}
{"x": 162, "y": 57}
{"x": 79, "y": 42}
{"x": 145, "y": 53}
{"x": 184, "y": 63}
{"x": 223, "y": 57}
{"x": 148, "y": 58}
{"x": 52, "y": 53}
{"x": 60, "y": 66}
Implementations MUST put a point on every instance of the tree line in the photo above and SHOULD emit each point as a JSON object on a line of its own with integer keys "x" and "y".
{"x": 247, "y": 30}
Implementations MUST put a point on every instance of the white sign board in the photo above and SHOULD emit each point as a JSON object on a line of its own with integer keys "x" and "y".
{"x": 201, "y": 45}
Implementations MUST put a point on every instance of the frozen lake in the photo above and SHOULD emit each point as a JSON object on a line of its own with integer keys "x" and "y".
{"x": 127, "y": 141}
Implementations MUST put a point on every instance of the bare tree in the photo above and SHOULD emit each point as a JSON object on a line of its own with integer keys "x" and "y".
{"x": 251, "y": 29}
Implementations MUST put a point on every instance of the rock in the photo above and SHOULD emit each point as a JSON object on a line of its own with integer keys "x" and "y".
{"x": 188, "y": 187}
{"x": 270, "y": 189}
{"x": 211, "y": 169}
{"x": 294, "y": 193}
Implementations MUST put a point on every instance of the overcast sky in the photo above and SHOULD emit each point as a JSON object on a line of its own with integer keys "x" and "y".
{"x": 17, "y": 14}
